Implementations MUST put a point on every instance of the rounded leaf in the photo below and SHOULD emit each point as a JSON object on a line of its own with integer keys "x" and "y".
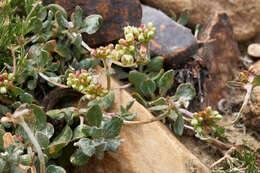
{"x": 78, "y": 158}
{"x": 148, "y": 87}
{"x": 55, "y": 169}
{"x": 94, "y": 115}
{"x": 92, "y": 23}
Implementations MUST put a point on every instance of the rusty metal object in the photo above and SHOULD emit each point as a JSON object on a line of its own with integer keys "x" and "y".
{"x": 172, "y": 40}
{"x": 116, "y": 14}
{"x": 221, "y": 57}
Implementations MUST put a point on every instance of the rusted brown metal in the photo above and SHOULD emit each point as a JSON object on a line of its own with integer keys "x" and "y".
{"x": 221, "y": 57}
{"x": 116, "y": 15}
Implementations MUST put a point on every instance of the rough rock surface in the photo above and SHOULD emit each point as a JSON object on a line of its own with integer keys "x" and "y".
{"x": 244, "y": 14}
{"x": 116, "y": 15}
{"x": 254, "y": 50}
{"x": 221, "y": 57}
{"x": 172, "y": 40}
{"x": 252, "y": 117}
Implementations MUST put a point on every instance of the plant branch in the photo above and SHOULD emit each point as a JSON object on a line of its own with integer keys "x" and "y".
{"x": 226, "y": 156}
{"x": 85, "y": 45}
{"x": 186, "y": 112}
{"x": 108, "y": 75}
{"x": 219, "y": 144}
{"x": 34, "y": 142}
{"x": 160, "y": 117}
{"x": 52, "y": 81}
{"x": 14, "y": 61}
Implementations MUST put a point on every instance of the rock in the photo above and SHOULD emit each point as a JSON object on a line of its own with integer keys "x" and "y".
{"x": 255, "y": 68}
{"x": 252, "y": 117}
{"x": 116, "y": 14}
{"x": 221, "y": 57}
{"x": 172, "y": 40}
{"x": 244, "y": 15}
{"x": 254, "y": 50}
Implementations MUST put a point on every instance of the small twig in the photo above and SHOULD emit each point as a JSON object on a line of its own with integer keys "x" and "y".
{"x": 219, "y": 144}
{"x": 226, "y": 156}
{"x": 52, "y": 81}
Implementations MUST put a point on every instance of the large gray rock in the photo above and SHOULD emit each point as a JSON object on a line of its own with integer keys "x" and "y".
{"x": 172, "y": 40}
{"x": 244, "y": 14}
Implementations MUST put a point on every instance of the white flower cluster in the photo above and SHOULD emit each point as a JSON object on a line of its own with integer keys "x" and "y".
{"x": 86, "y": 83}
{"x": 6, "y": 80}
{"x": 127, "y": 49}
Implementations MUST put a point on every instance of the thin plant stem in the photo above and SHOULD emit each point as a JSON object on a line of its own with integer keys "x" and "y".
{"x": 14, "y": 61}
{"x": 186, "y": 112}
{"x": 249, "y": 89}
{"x": 85, "y": 45}
{"x": 226, "y": 156}
{"x": 108, "y": 75}
{"x": 52, "y": 81}
{"x": 160, "y": 117}
{"x": 34, "y": 142}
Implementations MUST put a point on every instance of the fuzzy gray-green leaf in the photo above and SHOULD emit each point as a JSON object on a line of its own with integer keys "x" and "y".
{"x": 113, "y": 144}
{"x": 42, "y": 139}
{"x": 165, "y": 82}
{"x": 76, "y": 17}
{"x": 94, "y": 115}
{"x": 78, "y": 158}
{"x": 112, "y": 127}
{"x": 185, "y": 93}
{"x": 86, "y": 146}
{"x": 179, "y": 125}
{"x": 148, "y": 87}
{"x": 92, "y": 23}
{"x": 155, "y": 65}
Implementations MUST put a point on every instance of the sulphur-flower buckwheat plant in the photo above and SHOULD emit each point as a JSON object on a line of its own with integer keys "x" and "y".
{"x": 86, "y": 83}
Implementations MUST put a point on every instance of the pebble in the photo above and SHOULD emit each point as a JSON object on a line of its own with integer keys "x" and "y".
{"x": 254, "y": 50}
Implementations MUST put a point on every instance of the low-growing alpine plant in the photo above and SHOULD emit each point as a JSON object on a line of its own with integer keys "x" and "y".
{"x": 48, "y": 52}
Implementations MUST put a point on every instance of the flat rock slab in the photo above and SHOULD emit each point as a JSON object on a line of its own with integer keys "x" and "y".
{"x": 172, "y": 40}
{"x": 116, "y": 14}
{"x": 221, "y": 57}
{"x": 149, "y": 148}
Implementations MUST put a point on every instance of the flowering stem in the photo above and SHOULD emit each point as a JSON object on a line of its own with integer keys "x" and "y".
{"x": 34, "y": 142}
{"x": 108, "y": 75}
{"x": 186, "y": 112}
